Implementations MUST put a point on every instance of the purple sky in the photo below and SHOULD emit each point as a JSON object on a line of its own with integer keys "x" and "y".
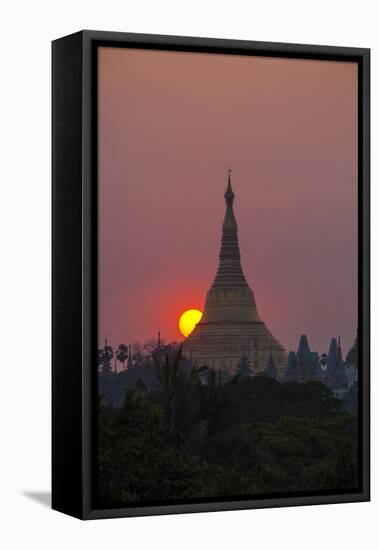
{"x": 170, "y": 123}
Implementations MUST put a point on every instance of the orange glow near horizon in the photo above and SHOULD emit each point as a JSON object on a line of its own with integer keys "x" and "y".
{"x": 188, "y": 320}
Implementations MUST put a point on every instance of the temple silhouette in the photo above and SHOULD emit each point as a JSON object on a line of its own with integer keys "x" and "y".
{"x": 231, "y": 330}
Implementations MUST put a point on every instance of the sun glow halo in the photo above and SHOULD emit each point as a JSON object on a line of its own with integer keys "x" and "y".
{"x": 188, "y": 320}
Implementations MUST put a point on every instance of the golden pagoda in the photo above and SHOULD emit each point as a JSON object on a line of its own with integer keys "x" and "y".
{"x": 231, "y": 329}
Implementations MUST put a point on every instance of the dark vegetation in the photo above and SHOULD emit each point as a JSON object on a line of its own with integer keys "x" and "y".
{"x": 189, "y": 435}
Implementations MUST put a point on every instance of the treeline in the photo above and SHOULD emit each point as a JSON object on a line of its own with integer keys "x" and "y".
{"x": 191, "y": 435}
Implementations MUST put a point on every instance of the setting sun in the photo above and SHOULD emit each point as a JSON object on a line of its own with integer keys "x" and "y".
{"x": 188, "y": 320}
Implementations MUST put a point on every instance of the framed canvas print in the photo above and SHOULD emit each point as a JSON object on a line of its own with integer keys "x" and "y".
{"x": 210, "y": 274}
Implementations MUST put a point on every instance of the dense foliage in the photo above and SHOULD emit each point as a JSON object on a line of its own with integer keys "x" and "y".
{"x": 193, "y": 435}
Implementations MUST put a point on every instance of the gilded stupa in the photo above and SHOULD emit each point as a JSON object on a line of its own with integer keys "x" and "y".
{"x": 231, "y": 329}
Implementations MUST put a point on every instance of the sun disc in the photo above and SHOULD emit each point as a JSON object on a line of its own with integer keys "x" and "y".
{"x": 188, "y": 320}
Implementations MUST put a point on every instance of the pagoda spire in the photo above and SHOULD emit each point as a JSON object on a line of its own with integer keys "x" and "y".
{"x": 229, "y": 271}
{"x": 229, "y": 227}
{"x": 130, "y": 358}
{"x": 339, "y": 349}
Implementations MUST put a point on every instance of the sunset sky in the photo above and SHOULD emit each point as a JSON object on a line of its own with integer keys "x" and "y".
{"x": 170, "y": 124}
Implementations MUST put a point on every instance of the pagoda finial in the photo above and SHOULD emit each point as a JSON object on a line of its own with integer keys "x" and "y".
{"x": 229, "y": 195}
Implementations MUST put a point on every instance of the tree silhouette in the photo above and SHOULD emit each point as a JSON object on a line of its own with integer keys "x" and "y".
{"x": 122, "y": 354}
{"x": 104, "y": 358}
{"x": 174, "y": 392}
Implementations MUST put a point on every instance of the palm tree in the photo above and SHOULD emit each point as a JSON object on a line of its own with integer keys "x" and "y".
{"x": 175, "y": 390}
{"x": 122, "y": 354}
{"x": 198, "y": 406}
{"x": 218, "y": 409}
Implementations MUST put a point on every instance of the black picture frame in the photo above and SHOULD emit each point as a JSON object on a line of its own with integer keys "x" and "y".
{"x": 74, "y": 271}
